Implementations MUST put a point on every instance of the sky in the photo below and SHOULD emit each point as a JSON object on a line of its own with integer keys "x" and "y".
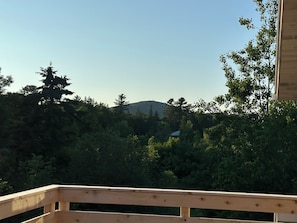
{"x": 145, "y": 49}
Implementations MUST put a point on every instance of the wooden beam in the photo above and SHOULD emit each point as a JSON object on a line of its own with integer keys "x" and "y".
{"x": 101, "y": 217}
{"x": 181, "y": 198}
{"x": 286, "y": 56}
{"x": 21, "y": 202}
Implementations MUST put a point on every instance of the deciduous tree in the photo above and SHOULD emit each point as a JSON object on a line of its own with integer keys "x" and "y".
{"x": 4, "y": 82}
{"x": 250, "y": 87}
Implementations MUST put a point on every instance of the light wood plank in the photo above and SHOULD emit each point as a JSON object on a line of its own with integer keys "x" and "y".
{"x": 185, "y": 212}
{"x": 290, "y": 4}
{"x": 21, "y": 202}
{"x": 46, "y": 218}
{"x": 286, "y": 57}
{"x": 290, "y": 14}
{"x": 64, "y": 206}
{"x": 49, "y": 208}
{"x": 101, "y": 217}
{"x": 181, "y": 198}
{"x": 186, "y": 199}
{"x": 289, "y": 44}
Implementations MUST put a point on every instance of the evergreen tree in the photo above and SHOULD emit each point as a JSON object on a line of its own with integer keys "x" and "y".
{"x": 120, "y": 106}
{"x": 175, "y": 111}
{"x": 54, "y": 87}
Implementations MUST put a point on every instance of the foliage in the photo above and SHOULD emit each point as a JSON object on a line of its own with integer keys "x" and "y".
{"x": 4, "y": 82}
{"x": 38, "y": 171}
{"x": 175, "y": 111}
{"x": 29, "y": 89}
{"x": 98, "y": 156}
{"x": 212, "y": 107}
{"x": 5, "y": 188}
{"x": 250, "y": 89}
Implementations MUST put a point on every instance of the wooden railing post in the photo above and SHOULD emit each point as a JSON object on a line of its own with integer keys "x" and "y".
{"x": 275, "y": 217}
{"x": 185, "y": 212}
{"x": 49, "y": 208}
{"x": 64, "y": 206}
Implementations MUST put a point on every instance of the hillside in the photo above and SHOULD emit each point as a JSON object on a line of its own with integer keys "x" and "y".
{"x": 145, "y": 107}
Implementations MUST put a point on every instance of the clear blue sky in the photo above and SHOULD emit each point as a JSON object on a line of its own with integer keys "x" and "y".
{"x": 146, "y": 49}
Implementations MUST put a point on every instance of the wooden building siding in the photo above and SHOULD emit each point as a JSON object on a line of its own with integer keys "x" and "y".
{"x": 286, "y": 57}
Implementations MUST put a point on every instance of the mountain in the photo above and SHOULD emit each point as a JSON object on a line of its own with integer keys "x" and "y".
{"x": 145, "y": 107}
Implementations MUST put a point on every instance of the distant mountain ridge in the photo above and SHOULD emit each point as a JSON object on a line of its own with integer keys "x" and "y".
{"x": 145, "y": 107}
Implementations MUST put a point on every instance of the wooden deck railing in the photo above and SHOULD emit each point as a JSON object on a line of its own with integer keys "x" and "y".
{"x": 58, "y": 201}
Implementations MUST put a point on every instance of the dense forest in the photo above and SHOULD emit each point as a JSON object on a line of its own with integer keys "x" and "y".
{"x": 242, "y": 141}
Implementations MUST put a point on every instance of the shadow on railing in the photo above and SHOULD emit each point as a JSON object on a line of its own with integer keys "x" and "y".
{"x": 58, "y": 203}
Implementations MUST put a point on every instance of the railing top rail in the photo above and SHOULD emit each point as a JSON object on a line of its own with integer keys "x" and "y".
{"x": 181, "y": 191}
{"x": 218, "y": 200}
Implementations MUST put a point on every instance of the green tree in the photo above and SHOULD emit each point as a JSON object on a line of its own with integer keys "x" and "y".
{"x": 5, "y": 188}
{"x": 175, "y": 111}
{"x": 37, "y": 171}
{"x": 204, "y": 107}
{"x": 106, "y": 158}
{"x": 250, "y": 88}
{"x": 29, "y": 89}
{"x": 231, "y": 151}
{"x": 4, "y": 82}
{"x": 159, "y": 156}
{"x": 275, "y": 145}
{"x": 10, "y": 121}
{"x": 120, "y": 105}
{"x": 54, "y": 87}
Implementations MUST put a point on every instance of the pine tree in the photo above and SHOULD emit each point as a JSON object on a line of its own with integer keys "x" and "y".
{"x": 54, "y": 87}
